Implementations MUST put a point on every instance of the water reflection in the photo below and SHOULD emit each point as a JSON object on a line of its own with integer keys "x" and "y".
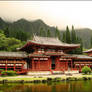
{"x": 73, "y": 86}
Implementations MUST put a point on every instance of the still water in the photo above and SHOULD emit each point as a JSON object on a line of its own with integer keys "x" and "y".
{"x": 72, "y": 86}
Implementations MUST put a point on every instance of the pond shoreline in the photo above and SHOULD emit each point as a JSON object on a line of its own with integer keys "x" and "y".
{"x": 44, "y": 78}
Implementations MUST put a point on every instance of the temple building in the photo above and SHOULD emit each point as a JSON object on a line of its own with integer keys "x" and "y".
{"x": 48, "y": 54}
{"x": 15, "y": 61}
{"x": 44, "y": 54}
{"x": 89, "y": 52}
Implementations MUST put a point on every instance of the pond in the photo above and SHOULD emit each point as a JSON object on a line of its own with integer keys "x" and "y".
{"x": 69, "y": 86}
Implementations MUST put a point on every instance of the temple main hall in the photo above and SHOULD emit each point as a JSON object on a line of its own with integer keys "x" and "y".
{"x": 44, "y": 54}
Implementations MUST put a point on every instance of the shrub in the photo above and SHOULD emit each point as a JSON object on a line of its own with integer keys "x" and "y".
{"x": 86, "y": 70}
{"x": 1, "y": 70}
{"x": 8, "y": 73}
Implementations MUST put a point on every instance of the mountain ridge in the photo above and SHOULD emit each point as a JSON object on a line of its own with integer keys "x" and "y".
{"x": 35, "y": 26}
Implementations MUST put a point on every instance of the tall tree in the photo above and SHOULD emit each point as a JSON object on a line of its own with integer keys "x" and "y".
{"x": 73, "y": 35}
{"x": 48, "y": 33}
{"x": 79, "y": 50}
{"x": 91, "y": 42}
{"x": 68, "y": 36}
{"x": 57, "y": 33}
{"x": 42, "y": 32}
{"x": 6, "y": 32}
{"x": 64, "y": 37}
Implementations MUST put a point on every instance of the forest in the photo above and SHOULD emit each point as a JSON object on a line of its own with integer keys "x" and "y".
{"x": 15, "y": 34}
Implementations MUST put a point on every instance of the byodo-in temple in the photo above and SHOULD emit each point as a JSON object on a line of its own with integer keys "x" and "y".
{"x": 44, "y": 54}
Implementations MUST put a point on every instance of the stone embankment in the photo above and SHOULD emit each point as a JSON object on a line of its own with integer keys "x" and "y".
{"x": 45, "y": 78}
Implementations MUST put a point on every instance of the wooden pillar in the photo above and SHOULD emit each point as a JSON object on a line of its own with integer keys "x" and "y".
{"x": 6, "y": 66}
{"x": 71, "y": 65}
{"x": 58, "y": 62}
{"x": 79, "y": 67}
{"x": 32, "y": 64}
{"x": 65, "y": 64}
{"x": 48, "y": 63}
{"x": 75, "y": 66}
{"x": 22, "y": 67}
{"x": 14, "y": 67}
{"x": 49, "y": 60}
{"x": 39, "y": 64}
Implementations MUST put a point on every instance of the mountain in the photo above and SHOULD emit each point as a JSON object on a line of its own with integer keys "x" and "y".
{"x": 85, "y": 34}
{"x": 31, "y": 26}
{"x": 34, "y": 27}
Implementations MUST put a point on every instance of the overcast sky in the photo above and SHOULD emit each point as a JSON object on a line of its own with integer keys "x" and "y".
{"x": 54, "y": 13}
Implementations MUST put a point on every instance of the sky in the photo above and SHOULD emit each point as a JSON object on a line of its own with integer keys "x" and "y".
{"x": 53, "y": 13}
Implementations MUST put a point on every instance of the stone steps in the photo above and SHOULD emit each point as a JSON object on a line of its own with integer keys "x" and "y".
{"x": 38, "y": 73}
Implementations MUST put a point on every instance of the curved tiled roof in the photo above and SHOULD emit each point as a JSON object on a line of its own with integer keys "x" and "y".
{"x": 87, "y": 51}
{"x": 50, "y": 41}
{"x": 13, "y": 54}
{"x": 76, "y": 56}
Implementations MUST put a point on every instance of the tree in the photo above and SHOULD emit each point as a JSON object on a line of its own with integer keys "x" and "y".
{"x": 68, "y": 36}
{"x": 9, "y": 44}
{"x": 79, "y": 50}
{"x": 86, "y": 70}
{"x": 42, "y": 32}
{"x": 7, "y": 32}
{"x": 91, "y": 42}
{"x": 13, "y": 43}
{"x": 73, "y": 35}
{"x": 57, "y": 33}
{"x": 48, "y": 33}
{"x": 64, "y": 37}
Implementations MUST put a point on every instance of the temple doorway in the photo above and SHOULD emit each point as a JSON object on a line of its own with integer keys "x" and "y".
{"x": 53, "y": 64}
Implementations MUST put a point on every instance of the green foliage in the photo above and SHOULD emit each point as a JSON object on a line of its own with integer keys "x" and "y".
{"x": 32, "y": 27}
{"x": 8, "y": 73}
{"x": 79, "y": 50}
{"x": 9, "y": 44}
{"x": 1, "y": 70}
{"x": 91, "y": 42}
{"x": 68, "y": 35}
{"x": 71, "y": 37}
{"x": 57, "y": 33}
{"x": 6, "y": 31}
{"x": 86, "y": 70}
{"x": 64, "y": 37}
{"x": 42, "y": 32}
{"x": 48, "y": 33}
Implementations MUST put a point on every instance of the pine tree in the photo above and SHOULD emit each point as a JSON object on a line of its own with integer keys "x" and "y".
{"x": 79, "y": 50}
{"x": 73, "y": 35}
{"x": 42, "y": 32}
{"x": 64, "y": 37}
{"x": 68, "y": 36}
{"x": 91, "y": 42}
{"x": 48, "y": 33}
{"x": 57, "y": 33}
{"x": 6, "y": 31}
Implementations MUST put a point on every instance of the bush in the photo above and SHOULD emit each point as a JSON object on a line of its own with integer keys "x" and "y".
{"x": 1, "y": 70}
{"x": 8, "y": 73}
{"x": 86, "y": 70}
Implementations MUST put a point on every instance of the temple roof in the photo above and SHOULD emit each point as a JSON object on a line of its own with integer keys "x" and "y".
{"x": 88, "y": 51}
{"x": 13, "y": 55}
{"x": 49, "y": 41}
{"x": 76, "y": 56}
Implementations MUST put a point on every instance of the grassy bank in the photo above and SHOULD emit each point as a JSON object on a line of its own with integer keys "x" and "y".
{"x": 43, "y": 79}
